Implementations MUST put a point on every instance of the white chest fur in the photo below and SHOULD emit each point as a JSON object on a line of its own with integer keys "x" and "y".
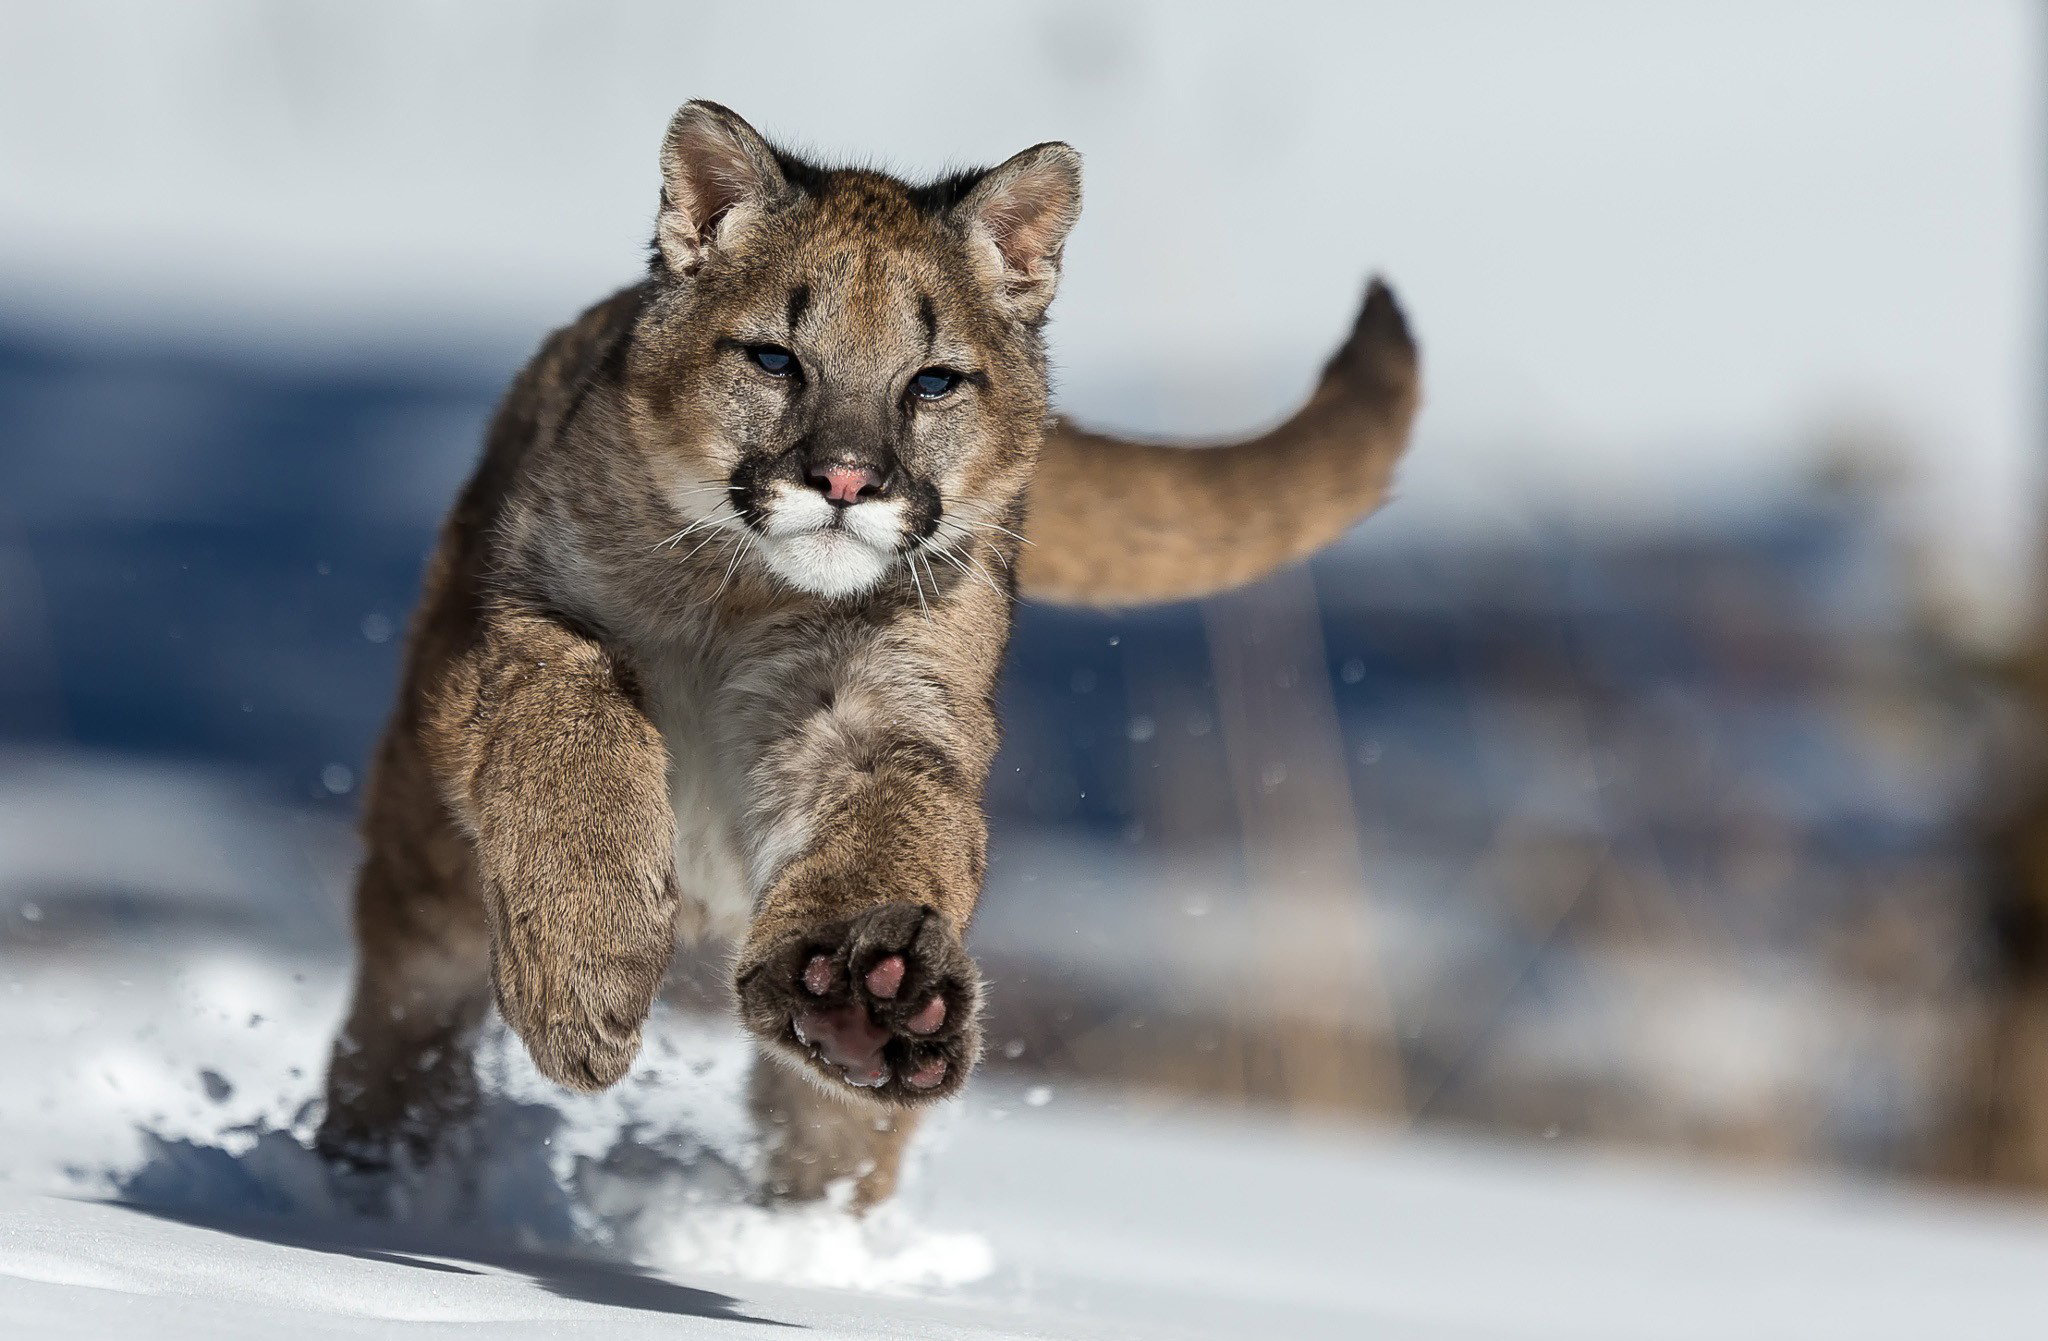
{"x": 704, "y": 786}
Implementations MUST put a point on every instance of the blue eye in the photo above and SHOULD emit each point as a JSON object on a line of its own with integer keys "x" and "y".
{"x": 773, "y": 360}
{"x": 933, "y": 383}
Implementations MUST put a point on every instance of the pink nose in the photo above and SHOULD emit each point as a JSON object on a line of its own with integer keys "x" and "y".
{"x": 845, "y": 484}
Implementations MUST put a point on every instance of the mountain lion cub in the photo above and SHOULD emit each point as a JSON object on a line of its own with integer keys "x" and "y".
{"x": 709, "y": 645}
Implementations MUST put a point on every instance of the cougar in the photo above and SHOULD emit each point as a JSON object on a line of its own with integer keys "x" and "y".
{"x": 709, "y": 644}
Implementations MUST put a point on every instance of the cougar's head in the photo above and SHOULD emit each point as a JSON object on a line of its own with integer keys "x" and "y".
{"x": 837, "y": 369}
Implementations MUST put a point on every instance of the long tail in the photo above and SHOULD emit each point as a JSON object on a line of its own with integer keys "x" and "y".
{"x": 1127, "y": 523}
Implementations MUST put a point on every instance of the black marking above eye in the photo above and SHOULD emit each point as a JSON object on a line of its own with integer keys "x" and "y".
{"x": 772, "y": 359}
{"x": 934, "y": 383}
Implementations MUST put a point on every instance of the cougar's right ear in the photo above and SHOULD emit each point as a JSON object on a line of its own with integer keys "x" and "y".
{"x": 718, "y": 176}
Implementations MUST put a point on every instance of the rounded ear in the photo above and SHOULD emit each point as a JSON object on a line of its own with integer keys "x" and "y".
{"x": 1019, "y": 216}
{"x": 717, "y": 176}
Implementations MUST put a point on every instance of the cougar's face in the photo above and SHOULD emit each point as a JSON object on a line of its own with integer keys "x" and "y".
{"x": 846, "y": 398}
{"x": 843, "y": 373}
{"x": 865, "y": 411}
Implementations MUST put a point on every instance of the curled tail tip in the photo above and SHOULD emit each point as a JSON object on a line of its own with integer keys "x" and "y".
{"x": 1380, "y": 316}
{"x": 1380, "y": 345}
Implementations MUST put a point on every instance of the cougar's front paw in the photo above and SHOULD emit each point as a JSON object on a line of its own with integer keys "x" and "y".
{"x": 578, "y": 1006}
{"x": 886, "y": 1001}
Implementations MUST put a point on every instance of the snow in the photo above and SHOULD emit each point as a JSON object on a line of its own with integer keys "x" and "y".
{"x": 155, "y": 1181}
{"x": 170, "y": 988}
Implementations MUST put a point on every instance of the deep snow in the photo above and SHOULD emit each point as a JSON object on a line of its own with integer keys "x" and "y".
{"x": 153, "y": 1185}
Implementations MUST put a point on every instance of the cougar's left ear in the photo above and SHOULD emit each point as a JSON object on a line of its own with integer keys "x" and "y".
{"x": 718, "y": 176}
{"x": 1017, "y": 219}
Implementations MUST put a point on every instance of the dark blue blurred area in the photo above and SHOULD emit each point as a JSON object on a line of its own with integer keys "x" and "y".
{"x": 210, "y": 557}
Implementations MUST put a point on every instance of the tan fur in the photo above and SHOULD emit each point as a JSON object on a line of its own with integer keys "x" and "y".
{"x": 666, "y": 679}
{"x": 1123, "y": 523}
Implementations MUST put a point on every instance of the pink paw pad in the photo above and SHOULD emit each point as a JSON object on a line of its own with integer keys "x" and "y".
{"x": 928, "y": 1019}
{"x": 886, "y": 978}
{"x": 818, "y": 975}
{"x": 848, "y": 1040}
{"x": 929, "y": 1075}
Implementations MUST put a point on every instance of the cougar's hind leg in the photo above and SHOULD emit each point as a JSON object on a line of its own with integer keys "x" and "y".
{"x": 402, "y": 1074}
{"x": 812, "y": 1140}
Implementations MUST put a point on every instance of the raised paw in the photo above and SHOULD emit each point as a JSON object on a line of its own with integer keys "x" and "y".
{"x": 886, "y": 1002}
{"x": 578, "y": 1009}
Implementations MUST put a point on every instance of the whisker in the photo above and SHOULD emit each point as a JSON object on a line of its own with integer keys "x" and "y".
{"x": 954, "y": 559}
{"x": 738, "y": 550}
{"x": 932, "y": 552}
{"x": 972, "y": 519}
{"x": 715, "y": 534}
{"x": 919, "y": 584}
{"x": 973, "y": 539}
{"x": 711, "y": 519}
{"x": 987, "y": 576}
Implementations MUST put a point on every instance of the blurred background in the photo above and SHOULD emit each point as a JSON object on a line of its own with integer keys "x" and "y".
{"x": 1658, "y": 769}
